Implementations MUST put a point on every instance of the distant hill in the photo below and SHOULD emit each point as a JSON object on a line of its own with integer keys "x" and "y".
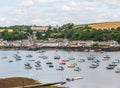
{"x": 105, "y": 25}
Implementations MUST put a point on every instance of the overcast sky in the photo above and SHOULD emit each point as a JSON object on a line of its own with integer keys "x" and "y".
{"x": 53, "y": 12}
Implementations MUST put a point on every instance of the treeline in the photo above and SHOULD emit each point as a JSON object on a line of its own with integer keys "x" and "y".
{"x": 67, "y": 31}
{"x": 81, "y": 32}
{"x": 18, "y": 33}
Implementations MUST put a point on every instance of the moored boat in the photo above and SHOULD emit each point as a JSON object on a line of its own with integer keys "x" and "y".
{"x": 117, "y": 70}
{"x": 71, "y": 66}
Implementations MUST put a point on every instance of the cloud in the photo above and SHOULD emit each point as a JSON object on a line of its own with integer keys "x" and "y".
{"x": 46, "y": 1}
{"x": 26, "y": 3}
{"x": 46, "y": 12}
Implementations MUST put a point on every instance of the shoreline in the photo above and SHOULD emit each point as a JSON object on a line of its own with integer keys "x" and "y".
{"x": 83, "y": 49}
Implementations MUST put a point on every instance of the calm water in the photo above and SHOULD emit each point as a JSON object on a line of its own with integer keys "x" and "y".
{"x": 93, "y": 78}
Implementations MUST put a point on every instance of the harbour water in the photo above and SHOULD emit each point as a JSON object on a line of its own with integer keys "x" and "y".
{"x": 98, "y": 77}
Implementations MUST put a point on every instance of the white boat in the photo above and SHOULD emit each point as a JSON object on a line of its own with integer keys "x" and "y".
{"x": 27, "y": 66}
{"x": 60, "y": 68}
{"x": 56, "y": 57}
{"x": 117, "y": 70}
{"x": 77, "y": 69}
{"x": 106, "y": 58}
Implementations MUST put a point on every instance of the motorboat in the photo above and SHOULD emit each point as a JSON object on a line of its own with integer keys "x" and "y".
{"x": 110, "y": 67}
{"x": 29, "y": 55}
{"x": 51, "y": 66}
{"x": 62, "y": 63}
{"x": 56, "y": 57}
{"x": 71, "y": 58}
{"x": 91, "y": 57}
{"x": 27, "y": 66}
{"x": 60, "y": 68}
{"x": 106, "y": 58}
{"x": 117, "y": 70}
{"x": 48, "y": 62}
{"x": 93, "y": 66}
{"x": 81, "y": 60}
{"x": 71, "y": 66}
{"x": 10, "y": 61}
{"x": 77, "y": 69}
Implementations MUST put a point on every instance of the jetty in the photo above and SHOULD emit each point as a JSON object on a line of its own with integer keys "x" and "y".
{"x": 40, "y": 85}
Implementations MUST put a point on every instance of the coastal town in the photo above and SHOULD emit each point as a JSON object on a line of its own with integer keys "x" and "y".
{"x": 33, "y": 43}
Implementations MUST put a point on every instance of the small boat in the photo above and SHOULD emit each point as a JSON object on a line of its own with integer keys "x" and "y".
{"x": 41, "y": 51}
{"x": 29, "y": 55}
{"x": 62, "y": 63}
{"x": 106, "y": 58}
{"x": 65, "y": 60}
{"x": 38, "y": 68}
{"x": 110, "y": 67}
{"x": 57, "y": 57}
{"x": 60, "y": 68}
{"x": 10, "y": 61}
{"x": 95, "y": 61}
{"x": 71, "y": 66}
{"x": 81, "y": 60}
{"x": 71, "y": 58}
{"x": 17, "y": 57}
{"x": 51, "y": 66}
{"x": 113, "y": 64}
{"x": 91, "y": 57}
{"x": 77, "y": 69}
{"x": 27, "y": 66}
{"x": 37, "y": 65}
{"x": 93, "y": 66}
{"x": 117, "y": 70}
{"x": 31, "y": 60}
{"x": 48, "y": 62}
{"x": 117, "y": 61}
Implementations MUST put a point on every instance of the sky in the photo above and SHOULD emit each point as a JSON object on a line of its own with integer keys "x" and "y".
{"x": 58, "y": 12}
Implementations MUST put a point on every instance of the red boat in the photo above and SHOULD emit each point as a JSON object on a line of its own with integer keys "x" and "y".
{"x": 62, "y": 63}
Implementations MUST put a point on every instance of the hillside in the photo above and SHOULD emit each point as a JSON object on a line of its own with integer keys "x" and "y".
{"x": 105, "y": 25}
